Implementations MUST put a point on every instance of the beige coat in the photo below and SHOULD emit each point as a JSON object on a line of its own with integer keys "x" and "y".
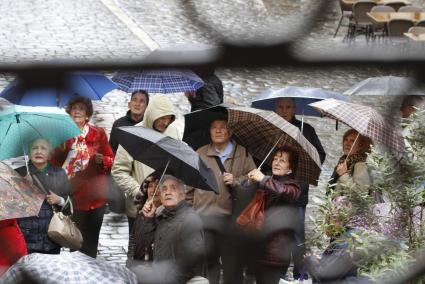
{"x": 360, "y": 177}
{"x": 128, "y": 173}
{"x": 207, "y": 202}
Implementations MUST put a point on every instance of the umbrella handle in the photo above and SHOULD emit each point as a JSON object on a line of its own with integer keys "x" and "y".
{"x": 271, "y": 150}
{"x": 162, "y": 175}
{"x": 355, "y": 140}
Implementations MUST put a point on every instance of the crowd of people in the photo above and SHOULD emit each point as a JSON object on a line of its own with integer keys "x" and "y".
{"x": 180, "y": 234}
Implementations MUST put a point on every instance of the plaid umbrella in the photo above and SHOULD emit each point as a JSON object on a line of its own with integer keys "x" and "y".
{"x": 66, "y": 267}
{"x": 158, "y": 81}
{"x": 258, "y": 130}
{"x": 366, "y": 120}
{"x": 18, "y": 198}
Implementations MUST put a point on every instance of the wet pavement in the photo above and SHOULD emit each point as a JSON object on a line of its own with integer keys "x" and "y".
{"x": 125, "y": 29}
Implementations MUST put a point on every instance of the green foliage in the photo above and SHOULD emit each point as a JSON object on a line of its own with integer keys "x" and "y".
{"x": 400, "y": 179}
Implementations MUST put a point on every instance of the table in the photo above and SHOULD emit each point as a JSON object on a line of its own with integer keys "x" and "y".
{"x": 378, "y": 2}
{"x": 416, "y": 37}
{"x": 385, "y": 17}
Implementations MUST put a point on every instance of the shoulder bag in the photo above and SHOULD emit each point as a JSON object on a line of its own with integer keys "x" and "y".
{"x": 252, "y": 217}
{"x": 62, "y": 230}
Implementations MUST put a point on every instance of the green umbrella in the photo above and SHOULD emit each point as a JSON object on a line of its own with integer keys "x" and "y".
{"x": 20, "y": 125}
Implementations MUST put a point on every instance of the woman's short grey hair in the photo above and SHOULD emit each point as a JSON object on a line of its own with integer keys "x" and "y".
{"x": 179, "y": 181}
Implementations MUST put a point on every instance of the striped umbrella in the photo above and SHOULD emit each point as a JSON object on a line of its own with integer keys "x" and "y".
{"x": 259, "y": 130}
{"x": 366, "y": 120}
{"x": 158, "y": 81}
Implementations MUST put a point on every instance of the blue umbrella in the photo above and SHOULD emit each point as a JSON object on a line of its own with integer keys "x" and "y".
{"x": 87, "y": 84}
{"x": 303, "y": 97}
{"x": 159, "y": 81}
{"x": 20, "y": 125}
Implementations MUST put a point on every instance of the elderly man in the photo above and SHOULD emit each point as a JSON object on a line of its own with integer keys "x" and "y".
{"x": 286, "y": 108}
{"x": 230, "y": 162}
{"x": 175, "y": 231}
{"x": 128, "y": 173}
{"x": 139, "y": 100}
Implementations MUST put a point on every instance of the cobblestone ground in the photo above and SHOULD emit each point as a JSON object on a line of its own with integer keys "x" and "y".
{"x": 52, "y": 29}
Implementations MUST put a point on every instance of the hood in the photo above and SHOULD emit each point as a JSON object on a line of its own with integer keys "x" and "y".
{"x": 159, "y": 106}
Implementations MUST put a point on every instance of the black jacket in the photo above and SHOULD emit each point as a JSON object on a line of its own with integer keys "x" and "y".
{"x": 310, "y": 134}
{"x": 178, "y": 244}
{"x": 209, "y": 95}
{"x": 34, "y": 229}
{"x": 122, "y": 121}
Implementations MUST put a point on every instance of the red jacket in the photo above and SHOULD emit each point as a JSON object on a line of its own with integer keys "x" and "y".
{"x": 90, "y": 186}
{"x": 12, "y": 244}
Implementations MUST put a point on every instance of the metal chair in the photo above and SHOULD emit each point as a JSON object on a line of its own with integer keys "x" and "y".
{"x": 410, "y": 9}
{"x": 420, "y": 23}
{"x": 346, "y": 12}
{"x": 361, "y": 21}
{"x": 378, "y": 28}
{"x": 397, "y": 27}
{"x": 396, "y": 5}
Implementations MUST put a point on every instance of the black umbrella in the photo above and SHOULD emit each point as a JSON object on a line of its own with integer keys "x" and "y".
{"x": 197, "y": 124}
{"x": 157, "y": 150}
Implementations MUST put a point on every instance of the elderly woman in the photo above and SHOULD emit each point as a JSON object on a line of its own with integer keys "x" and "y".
{"x": 87, "y": 159}
{"x": 54, "y": 181}
{"x": 352, "y": 167}
{"x": 281, "y": 191}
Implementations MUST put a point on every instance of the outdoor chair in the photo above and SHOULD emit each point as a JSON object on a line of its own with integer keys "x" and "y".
{"x": 346, "y": 12}
{"x": 417, "y": 30}
{"x": 420, "y": 24}
{"x": 361, "y": 23}
{"x": 396, "y": 5}
{"x": 397, "y": 27}
{"x": 410, "y": 9}
{"x": 379, "y": 29}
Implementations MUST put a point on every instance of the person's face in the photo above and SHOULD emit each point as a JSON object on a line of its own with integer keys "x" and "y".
{"x": 280, "y": 164}
{"x": 162, "y": 123}
{"x": 286, "y": 108}
{"x": 40, "y": 152}
{"x": 171, "y": 193}
{"x": 219, "y": 132}
{"x": 348, "y": 142}
{"x": 151, "y": 190}
{"x": 138, "y": 104}
{"x": 79, "y": 113}
{"x": 406, "y": 111}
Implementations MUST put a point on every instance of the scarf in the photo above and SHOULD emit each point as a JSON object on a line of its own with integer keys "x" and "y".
{"x": 351, "y": 162}
{"x": 78, "y": 157}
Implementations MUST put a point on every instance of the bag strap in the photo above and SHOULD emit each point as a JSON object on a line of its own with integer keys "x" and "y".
{"x": 220, "y": 164}
{"x": 68, "y": 200}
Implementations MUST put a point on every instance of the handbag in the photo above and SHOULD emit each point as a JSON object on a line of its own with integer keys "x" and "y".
{"x": 62, "y": 230}
{"x": 252, "y": 217}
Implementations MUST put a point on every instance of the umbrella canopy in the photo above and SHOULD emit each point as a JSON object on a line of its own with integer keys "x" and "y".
{"x": 20, "y": 125}
{"x": 155, "y": 150}
{"x": 303, "y": 97}
{"x": 366, "y": 120}
{"x": 385, "y": 86}
{"x": 66, "y": 267}
{"x": 196, "y": 124}
{"x": 258, "y": 130}
{"x": 158, "y": 81}
{"x": 58, "y": 92}
{"x": 18, "y": 198}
